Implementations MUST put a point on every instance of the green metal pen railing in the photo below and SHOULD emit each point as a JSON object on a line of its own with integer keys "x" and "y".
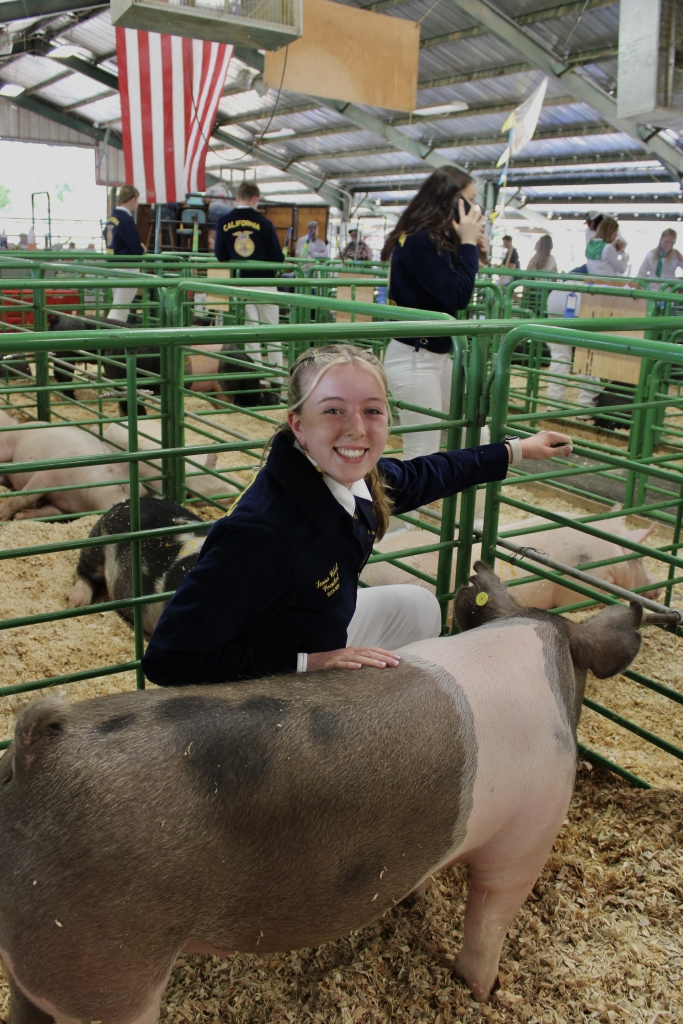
{"x": 482, "y": 368}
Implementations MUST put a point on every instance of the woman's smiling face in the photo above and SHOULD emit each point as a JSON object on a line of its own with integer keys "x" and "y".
{"x": 344, "y": 422}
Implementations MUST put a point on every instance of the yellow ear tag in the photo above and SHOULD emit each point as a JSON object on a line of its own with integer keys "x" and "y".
{"x": 482, "y": 598}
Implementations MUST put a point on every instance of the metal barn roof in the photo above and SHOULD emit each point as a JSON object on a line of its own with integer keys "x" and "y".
{"x": 489, "y": 54}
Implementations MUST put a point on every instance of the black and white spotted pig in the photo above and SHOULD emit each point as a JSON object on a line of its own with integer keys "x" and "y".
{"x": 165, "y": 560}
{"x": 279, "y": 813}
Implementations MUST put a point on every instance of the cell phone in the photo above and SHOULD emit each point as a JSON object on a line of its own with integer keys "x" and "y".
{"x": 456, "y": 209}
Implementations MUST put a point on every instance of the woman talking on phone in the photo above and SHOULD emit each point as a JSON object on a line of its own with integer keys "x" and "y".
{"x": 434, "y": 251}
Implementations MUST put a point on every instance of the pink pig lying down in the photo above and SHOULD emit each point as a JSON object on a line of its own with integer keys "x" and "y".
{"x": 36, "y": 442}
{"x": 281, "y": 813}
{"x": 575, "y": 548}
{"x": 564, "y": 545}
{"x": 206, "y": 485}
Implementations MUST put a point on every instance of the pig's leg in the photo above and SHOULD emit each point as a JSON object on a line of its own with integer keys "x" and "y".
{"x": 90, "y": 572}
{"x": 22, "y": 1010}
{"x": 502, "y": 875}
{"x": 40, "y": 482}
{"x": 44, "y": 510}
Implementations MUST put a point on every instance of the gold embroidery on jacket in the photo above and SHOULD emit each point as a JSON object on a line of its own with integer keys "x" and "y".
{"x": 330, "y": 585}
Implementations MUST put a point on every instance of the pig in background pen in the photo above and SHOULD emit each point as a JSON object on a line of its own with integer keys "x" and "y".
{"x": 94, "y": 487}
{"x": 563, "y": 544}
{"x": 204, "y": 485}
{"x": 106, "y": 570}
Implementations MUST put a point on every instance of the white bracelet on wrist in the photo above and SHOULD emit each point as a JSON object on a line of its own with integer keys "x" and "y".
{"x": 515, "y": 449}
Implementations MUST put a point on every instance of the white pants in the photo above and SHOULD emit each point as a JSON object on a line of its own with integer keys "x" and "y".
{"x": 392, "y": 616}
{"x": 122, "y": 297}
{"x": 262, "y": 313}
{"x": 420, "y": 378}
{"x": 561, "y": 359}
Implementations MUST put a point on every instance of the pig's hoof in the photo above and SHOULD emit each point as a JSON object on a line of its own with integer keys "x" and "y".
{"x": 480, "y": 993}
{"x": 81, "y": 594}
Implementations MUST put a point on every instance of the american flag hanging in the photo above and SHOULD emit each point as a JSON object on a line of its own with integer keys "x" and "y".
{"x": 170, "y": 88}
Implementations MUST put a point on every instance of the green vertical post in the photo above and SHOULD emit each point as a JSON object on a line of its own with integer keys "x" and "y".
{"x": 635, "y": 440}
{"x": 468, "y": 499}
{"x": 675, "y": 548}
{"x": 134, "y": 477}
{"x": 177, "y": 420}
{"x": 42, "y": 359}
{"x": 448, "y": 509}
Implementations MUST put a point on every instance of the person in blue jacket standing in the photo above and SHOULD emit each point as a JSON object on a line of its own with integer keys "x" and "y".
{"x": 434, "y": 251}
{"x": 122, "y": 238}
{"x": 275, "y": 589}
{"x": 245, "y": 235}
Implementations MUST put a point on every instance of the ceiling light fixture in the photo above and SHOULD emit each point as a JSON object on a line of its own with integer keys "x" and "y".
{"x": 281, "y": 133}
{"x": 11, "y": 89}
{"x": 442, "y": 108}
{"x": 66, "y": 50}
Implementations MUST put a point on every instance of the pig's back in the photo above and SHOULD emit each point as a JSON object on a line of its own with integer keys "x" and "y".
{"x": 348, "y": 790}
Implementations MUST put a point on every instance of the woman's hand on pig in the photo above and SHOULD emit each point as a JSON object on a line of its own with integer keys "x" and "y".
{"x": 352, "y": 657}
{"x": 546, "y": 445}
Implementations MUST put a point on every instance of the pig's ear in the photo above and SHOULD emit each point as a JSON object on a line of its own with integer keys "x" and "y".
{"x": 211, "y": 460}
{"x": 640, "y": 535}
{"x": 608, "y": 642}
{"x": 485, "y": 600}
{"x": 41, "y": 723}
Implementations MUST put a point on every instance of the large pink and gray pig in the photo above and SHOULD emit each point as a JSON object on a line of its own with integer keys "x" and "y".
{"x": 281, "y": 813}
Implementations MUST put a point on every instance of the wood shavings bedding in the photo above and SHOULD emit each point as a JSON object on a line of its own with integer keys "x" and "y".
{"x": 599, "y": 939}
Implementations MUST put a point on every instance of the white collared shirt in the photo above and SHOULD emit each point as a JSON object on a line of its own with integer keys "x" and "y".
{"x": 346, "y": 496}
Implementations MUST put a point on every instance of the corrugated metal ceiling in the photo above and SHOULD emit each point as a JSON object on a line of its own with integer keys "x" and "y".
{"x": 324, "y": 137}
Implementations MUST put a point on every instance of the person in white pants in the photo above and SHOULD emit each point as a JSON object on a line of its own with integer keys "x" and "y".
{"x": 263, "y": 313}
{"x": 243, "y": 235}
{"x": 419, "y": 378}
{"x": 122, "y": 238}
{"x": 561, "y": 361}
{"x": 434, "y": 251}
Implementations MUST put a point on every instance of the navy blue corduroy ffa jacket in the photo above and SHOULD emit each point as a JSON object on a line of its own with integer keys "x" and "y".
{"x": 278, "y": 574}
{"x": 245, "y": 234}
{"x": 424, "y": 278}
{"x": 121, "y": 235}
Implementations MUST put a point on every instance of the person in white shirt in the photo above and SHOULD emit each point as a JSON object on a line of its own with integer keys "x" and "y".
{"x": 664, "y": 261}
{"x": 543, "y": 258}
{"x": 605, "y": 253}
{"x": 309, "y": 244}
{"x": 593, "y": 221}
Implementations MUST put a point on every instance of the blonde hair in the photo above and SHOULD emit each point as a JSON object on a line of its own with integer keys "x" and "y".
{"x": 608, "y": 229}
{"x": 543, "y": 248}
{"x": 304, "y": 375}
{"x": 126, "y": 193}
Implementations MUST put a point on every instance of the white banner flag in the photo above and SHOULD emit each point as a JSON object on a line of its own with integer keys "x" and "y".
{"x": 524, "y": 118}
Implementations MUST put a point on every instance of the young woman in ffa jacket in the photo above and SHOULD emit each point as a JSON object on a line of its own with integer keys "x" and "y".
{"x": 276, "y": 586}
{"x": 434, "y": 251}
{"x": 122, "y": 238}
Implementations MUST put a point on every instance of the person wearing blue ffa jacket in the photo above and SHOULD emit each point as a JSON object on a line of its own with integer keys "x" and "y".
{"x": 244, "y": 234}
{"x": 434, "y": 251}
{"x": 122, "y": 238}
{"x": 276, "y": 585}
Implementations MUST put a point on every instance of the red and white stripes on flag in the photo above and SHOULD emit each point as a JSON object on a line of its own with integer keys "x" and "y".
{"x": 170, "y": 88}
